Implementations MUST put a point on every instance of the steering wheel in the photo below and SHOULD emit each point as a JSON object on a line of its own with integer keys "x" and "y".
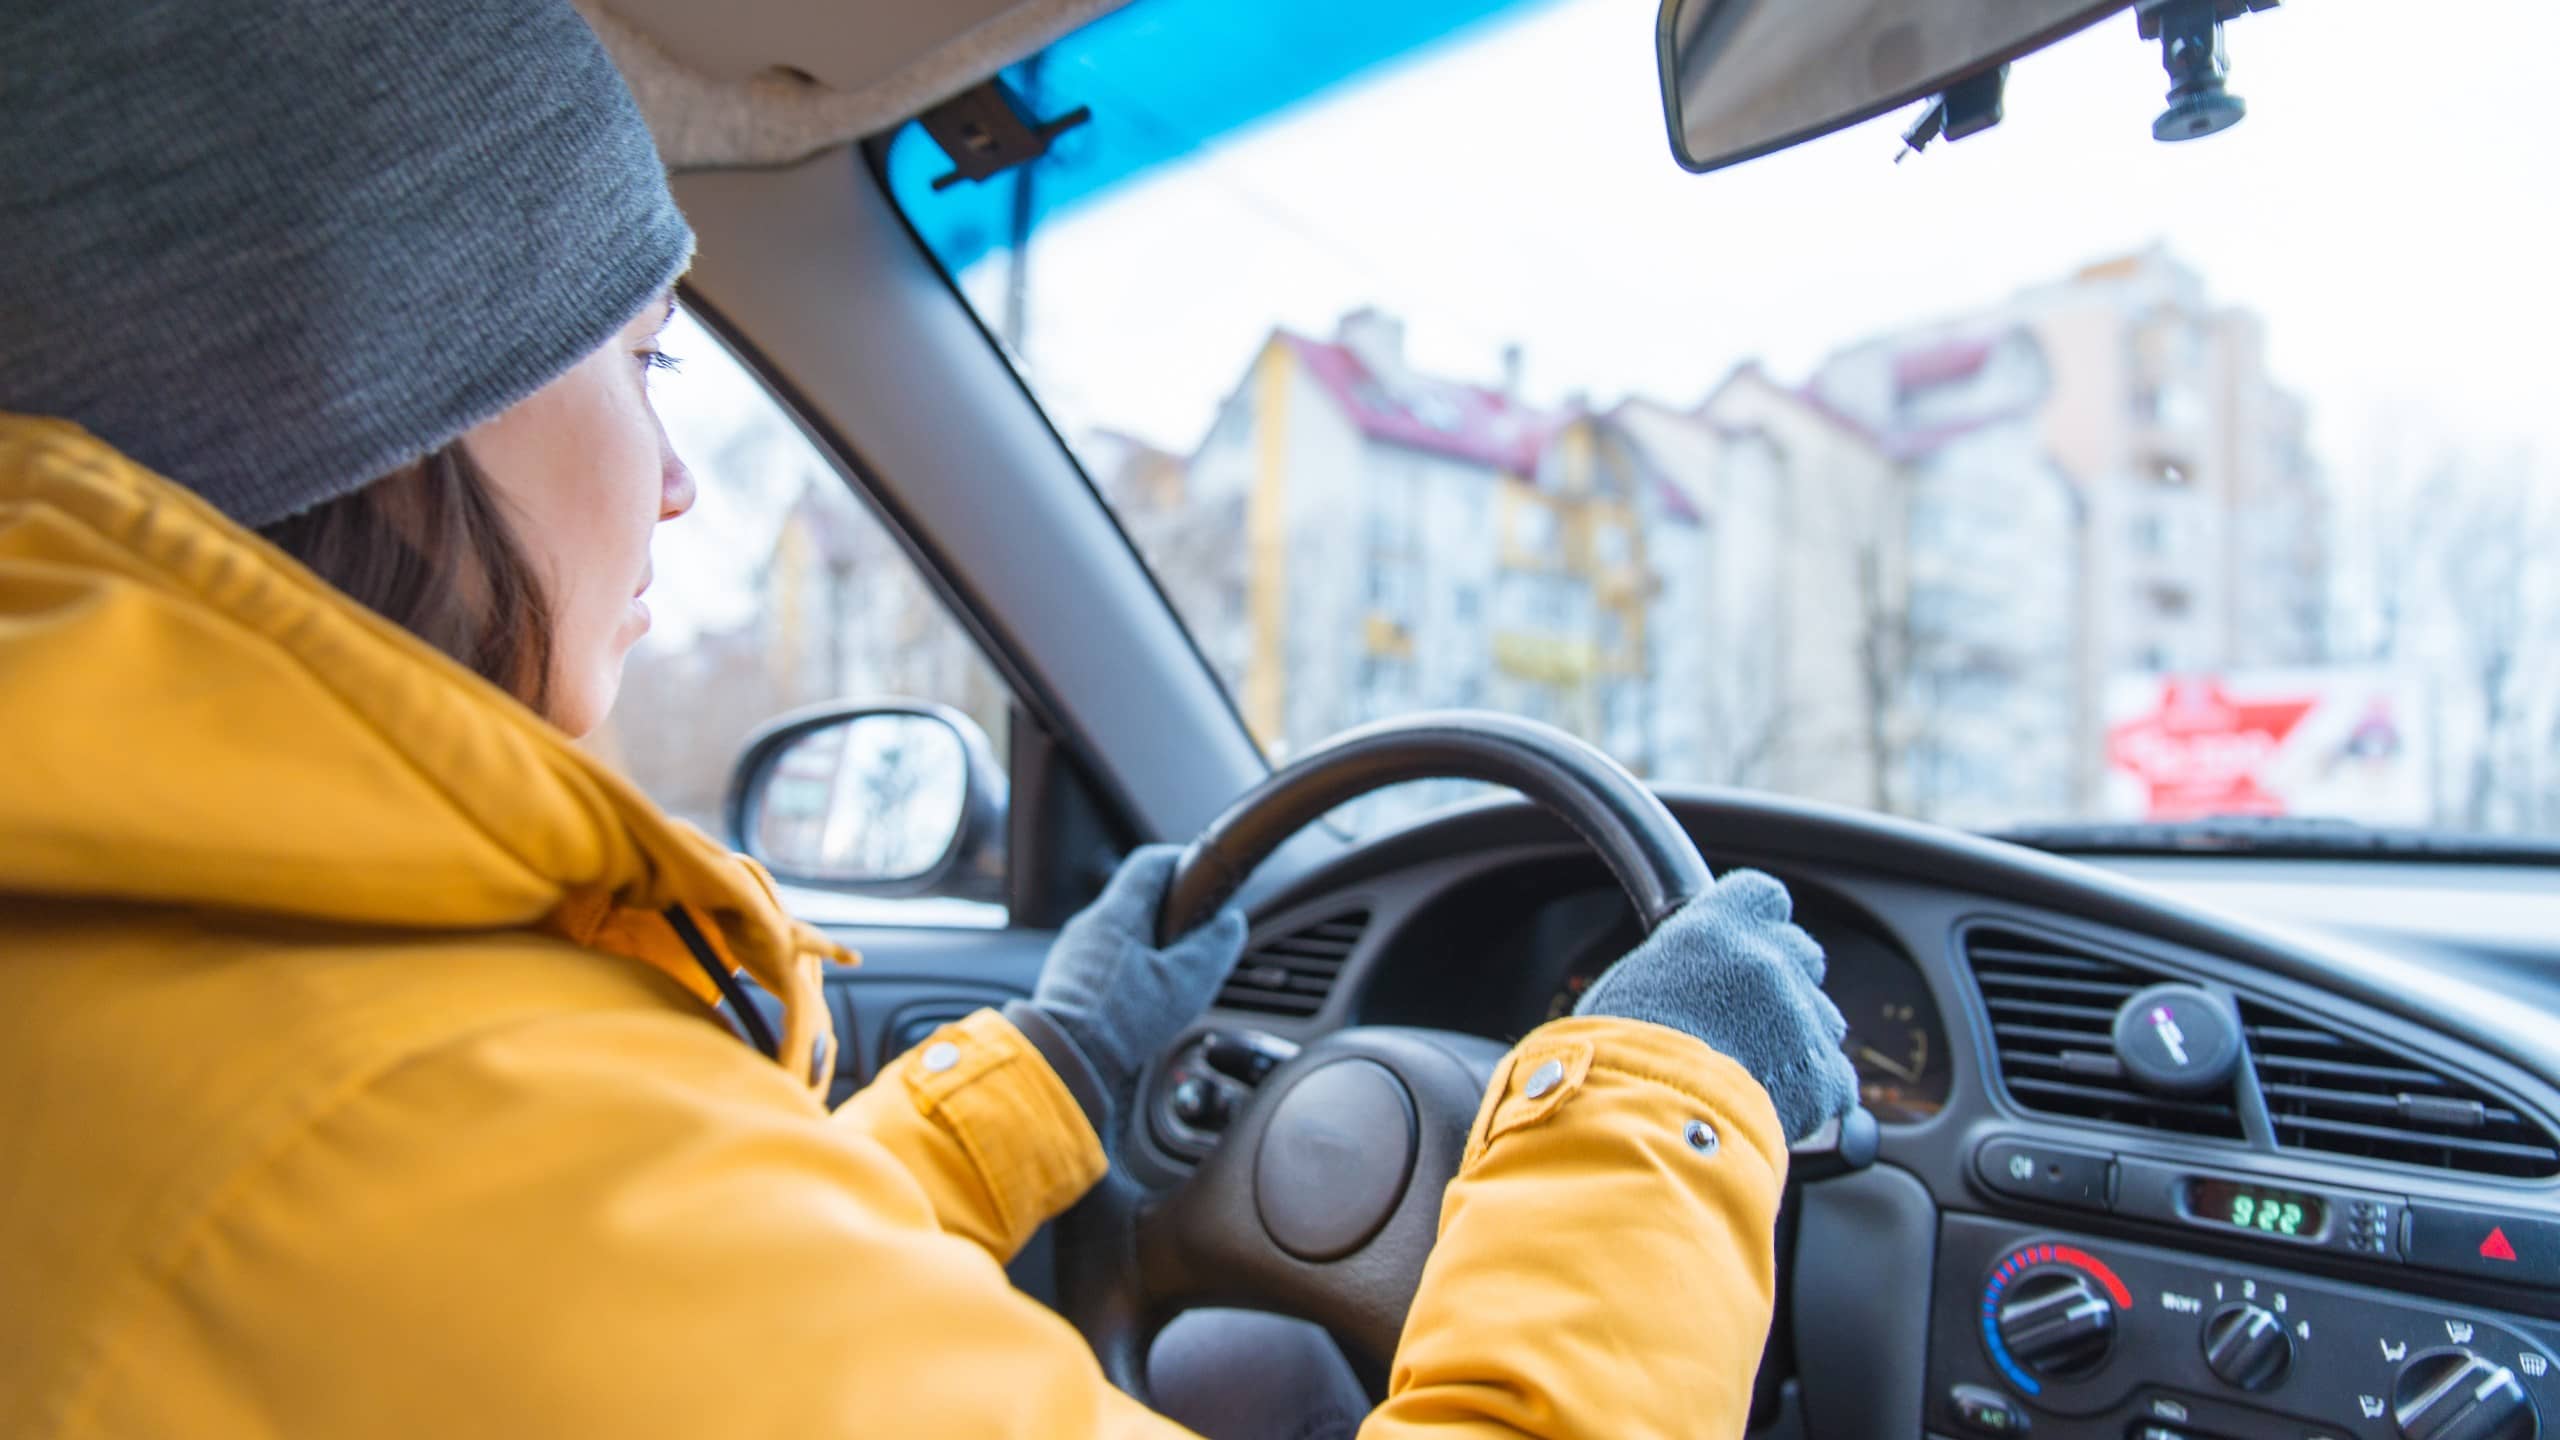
{"x": 1323, "y": 1198}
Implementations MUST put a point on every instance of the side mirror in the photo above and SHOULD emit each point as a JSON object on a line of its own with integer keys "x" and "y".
{"x": 897, "y": 799}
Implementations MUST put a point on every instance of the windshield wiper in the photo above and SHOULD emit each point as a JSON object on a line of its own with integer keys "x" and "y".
{"x": 2280, "y": 837}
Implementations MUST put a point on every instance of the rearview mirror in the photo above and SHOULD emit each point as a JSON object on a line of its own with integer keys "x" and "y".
{"x": 1742, "y": 78}
{"x": 894, "y": 799}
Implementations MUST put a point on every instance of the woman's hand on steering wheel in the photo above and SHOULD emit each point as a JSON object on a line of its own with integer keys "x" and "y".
{"x": 1120, "y": 997}
{"x": 1323, "y": 1197}
{"x": 1732, "y": 968}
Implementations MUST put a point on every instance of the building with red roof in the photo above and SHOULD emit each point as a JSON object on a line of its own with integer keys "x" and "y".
{"x": 1410, "y": 539}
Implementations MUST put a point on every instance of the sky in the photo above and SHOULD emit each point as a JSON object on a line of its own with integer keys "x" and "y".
{"x": 2389, "y": 206}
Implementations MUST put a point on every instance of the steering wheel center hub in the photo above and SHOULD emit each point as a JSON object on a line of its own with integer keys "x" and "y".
{"x": 1335, "y": 1159}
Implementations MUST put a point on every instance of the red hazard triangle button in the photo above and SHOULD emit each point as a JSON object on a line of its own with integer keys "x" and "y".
{"x": 2510, "y": 1248}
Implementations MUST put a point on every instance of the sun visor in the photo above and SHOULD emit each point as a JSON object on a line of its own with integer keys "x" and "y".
{"x": 708, "y": 118}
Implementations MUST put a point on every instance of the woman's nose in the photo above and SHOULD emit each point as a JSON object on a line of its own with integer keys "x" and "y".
{"x": 676, "y": 491}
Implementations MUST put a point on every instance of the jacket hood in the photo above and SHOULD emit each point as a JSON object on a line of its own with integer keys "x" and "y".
{"x": 195, "y": 719}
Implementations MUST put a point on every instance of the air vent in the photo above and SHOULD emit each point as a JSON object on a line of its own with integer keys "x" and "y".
{"x": 2053, "y": 1010}
{"x": 2327, "y": 1092}
{"x": 1291, "y": 975}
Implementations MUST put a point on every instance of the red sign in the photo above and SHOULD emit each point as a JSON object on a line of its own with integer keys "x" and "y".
{"x": 2496, "y": 1246}
{"x": 2201, "y": 752}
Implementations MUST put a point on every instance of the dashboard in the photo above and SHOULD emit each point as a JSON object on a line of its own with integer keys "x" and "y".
{"x": 1558, "y": 945}
{"x": 2343, "y": 1220}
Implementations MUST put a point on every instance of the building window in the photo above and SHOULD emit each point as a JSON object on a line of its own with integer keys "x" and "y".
{"x": 1389, "y": 532}
{"x": 1391, "y": 587}
{"x": 1612, "y": 631}
{"x": 1532, "y": 529}
{"x": 1383, "y": 682}
{"x": 1612, "y": 546}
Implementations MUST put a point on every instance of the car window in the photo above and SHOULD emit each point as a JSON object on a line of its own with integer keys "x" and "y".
{"x": 781, "y": 589}
{"x": 2055, "y": 474}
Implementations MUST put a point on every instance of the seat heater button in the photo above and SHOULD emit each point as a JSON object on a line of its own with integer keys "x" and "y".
{"x": 1543, "y": 1079}
{"x": 941, "y": 1057}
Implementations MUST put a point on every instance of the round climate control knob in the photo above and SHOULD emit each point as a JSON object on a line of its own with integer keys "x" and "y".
{"x": 2454, "y": 1394}
{"x": 2245, "y": 1345}
{"x": 2056, "y": 1322}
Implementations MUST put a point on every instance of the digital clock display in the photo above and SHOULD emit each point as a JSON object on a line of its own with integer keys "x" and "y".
{"x": 2261, "y": 1209}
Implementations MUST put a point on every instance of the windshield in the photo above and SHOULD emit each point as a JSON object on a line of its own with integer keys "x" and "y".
{"x": 2054, "y": 475}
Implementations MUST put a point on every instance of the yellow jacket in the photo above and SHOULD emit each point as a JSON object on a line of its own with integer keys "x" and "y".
{"x": 351, "y": 1084}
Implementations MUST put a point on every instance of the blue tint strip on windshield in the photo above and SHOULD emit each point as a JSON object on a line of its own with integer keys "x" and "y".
{"x": 1164, "y": 77}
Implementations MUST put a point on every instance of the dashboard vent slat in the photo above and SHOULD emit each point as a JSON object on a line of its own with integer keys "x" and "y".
{"x": 2033, "y": 1039}
{"x": 1293, "y": 973}
{"x": 2084, "y": 1014}
{"x": 2053, "y": 1010}
{"x": 2028, "y": 963}
{"x": 2329, "y": 1092}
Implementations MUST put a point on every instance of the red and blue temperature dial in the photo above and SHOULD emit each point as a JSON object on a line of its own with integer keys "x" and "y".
{"x": 2049, "y": 1312}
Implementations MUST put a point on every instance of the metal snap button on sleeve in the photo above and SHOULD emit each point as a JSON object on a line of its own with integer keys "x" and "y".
{"x": 941, "y": 1056}
{"x": 1701, "y": 1137}
{"x": 1543, "y": 1079}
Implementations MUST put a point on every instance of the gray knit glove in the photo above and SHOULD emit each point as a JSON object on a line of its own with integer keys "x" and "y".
{"x": 1118, "y": 997}
{"x": 1731, "y": 968}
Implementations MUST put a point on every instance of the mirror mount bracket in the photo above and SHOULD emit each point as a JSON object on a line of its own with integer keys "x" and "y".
{"x": 1968, "y": 108}
{"x": 2192, "y": 51}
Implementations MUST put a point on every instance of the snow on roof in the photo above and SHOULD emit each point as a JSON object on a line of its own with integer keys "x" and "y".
{"x": 1473, "y": 423}
{"x": 1944, "y": 363}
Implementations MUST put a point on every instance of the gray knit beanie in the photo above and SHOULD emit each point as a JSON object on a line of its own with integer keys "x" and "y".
{"x": 276, "y": 249}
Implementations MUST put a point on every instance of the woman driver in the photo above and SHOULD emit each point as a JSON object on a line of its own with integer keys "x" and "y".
{"x": 360, "y": 1075}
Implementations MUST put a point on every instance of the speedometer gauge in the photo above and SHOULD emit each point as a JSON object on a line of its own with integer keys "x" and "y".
{"x": 1894, "y": 1041}
{"x": 1570, "y": 994}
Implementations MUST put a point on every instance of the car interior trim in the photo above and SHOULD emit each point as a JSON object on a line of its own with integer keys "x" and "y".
{"x": 772, "y": 85}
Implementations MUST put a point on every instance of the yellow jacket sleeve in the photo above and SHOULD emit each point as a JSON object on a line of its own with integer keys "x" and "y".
{"x": 996, "y": 1143}
{"x": 1605, "y": 1265}
{"x": 625, "y": 1224}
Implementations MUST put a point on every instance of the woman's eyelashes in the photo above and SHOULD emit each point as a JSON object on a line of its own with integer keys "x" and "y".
{"x": 660, "y": 360}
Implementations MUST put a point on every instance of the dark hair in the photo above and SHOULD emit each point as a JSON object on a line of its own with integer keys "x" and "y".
{"x": 428, "y": 549}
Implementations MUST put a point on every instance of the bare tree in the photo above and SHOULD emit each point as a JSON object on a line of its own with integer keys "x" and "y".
{"x": 683, "y": 716}
{"x": 2489, "y": 536}
{"x": 1903, "y": 657}
{"x": 2452, "y": 589}
{"x": 1746, "y": 731}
